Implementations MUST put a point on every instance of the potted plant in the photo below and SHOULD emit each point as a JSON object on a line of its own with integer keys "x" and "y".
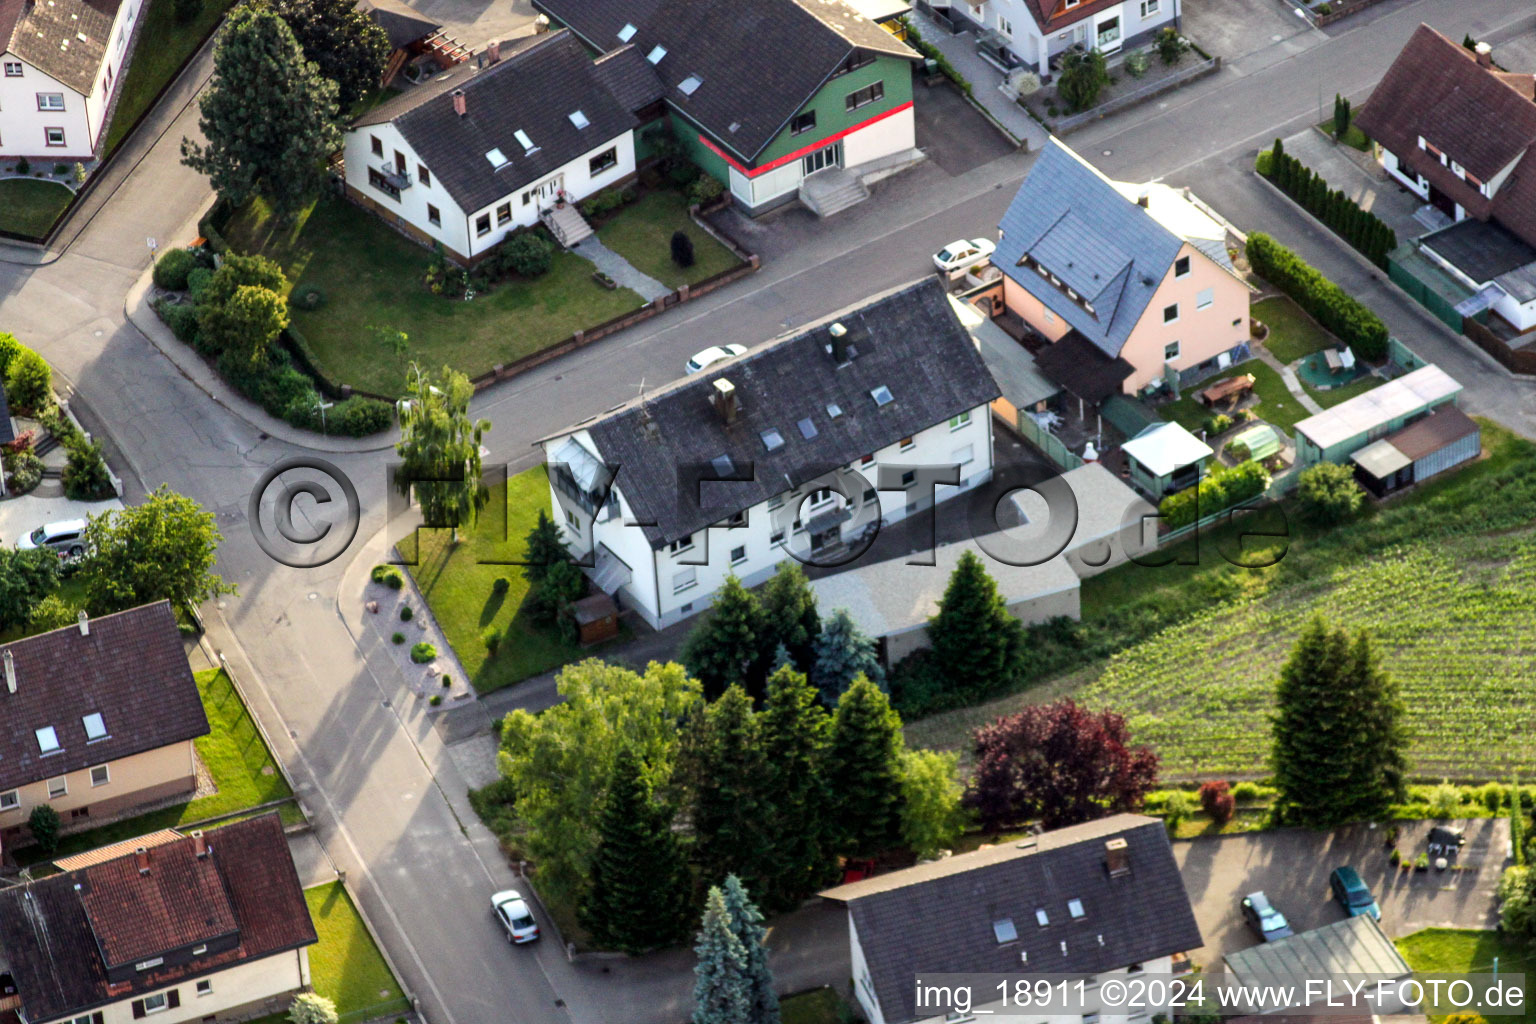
{"x": 1421, "y": 862}
{"x": 560, "y": 199}
{"x": 605, "y": 280}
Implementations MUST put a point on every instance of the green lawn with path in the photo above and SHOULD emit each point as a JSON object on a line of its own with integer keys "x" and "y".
{"x": 1330, "y": 397}
{"x": 1292, "y": 334}
{"x": 1444, "y": 578}
{"x": 642, "y": 234}
{"x": 372, "y": 278}
{"x": 164, "y": 45}
{"x": 460, "y": 590}
{"x": 1467, "y": 951}
{"x": 1276, "y": 404}
{"x": 29, "y": 206}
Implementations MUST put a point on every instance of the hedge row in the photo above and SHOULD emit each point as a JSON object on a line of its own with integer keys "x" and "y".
{"x": 1360, "y": 228}
{"x": 1221, "y": 489}
{"x": 1328, "y": 304}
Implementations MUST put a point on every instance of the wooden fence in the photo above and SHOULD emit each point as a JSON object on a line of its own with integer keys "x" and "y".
{"x": 1516, "y": 360}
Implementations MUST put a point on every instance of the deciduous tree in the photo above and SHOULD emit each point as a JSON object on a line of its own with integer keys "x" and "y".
{"x": 439, "y": 449}
{"x": 348, "y": 46}
{"x": 931, "y": 815}
{"x": 26, "y": 578}
{"x": 162, "y": 549}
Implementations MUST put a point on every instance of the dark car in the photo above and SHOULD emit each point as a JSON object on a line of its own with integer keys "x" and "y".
{"x": 1352, "y": 894}
{"x": 1446, "y": 841}
{"x": 1263, "y": 918}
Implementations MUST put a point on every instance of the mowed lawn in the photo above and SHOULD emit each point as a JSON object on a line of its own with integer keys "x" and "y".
{"x": 1276, "y": 403}
{"x": 1467, "y": 951}
{"x": 461, "y": 591}
{"x": 29, "y": 206}
{"x": 164, "y": 45}
{"x": 1292, "y": 334}
{"x": 1444, "y": 578}
{"x": 372, "y": 279}
{"x": 642, "y": 234}
{"x": 346, "y": 966}
{"x": 1330, "y": 397}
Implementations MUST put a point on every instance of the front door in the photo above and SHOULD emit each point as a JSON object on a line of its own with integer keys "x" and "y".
{"x": 829, "y": 156}
{"x": 548, "y": 190}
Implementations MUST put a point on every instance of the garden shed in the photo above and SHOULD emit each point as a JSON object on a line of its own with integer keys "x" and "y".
{"x": 1445, "y": 438}
{"x": 1165, "y": 458}
{"x": 1333, "y": 435}
{"x": 597, "y": 618}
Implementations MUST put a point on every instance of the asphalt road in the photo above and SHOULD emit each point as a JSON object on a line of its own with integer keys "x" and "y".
{"x": 387, "y": 802}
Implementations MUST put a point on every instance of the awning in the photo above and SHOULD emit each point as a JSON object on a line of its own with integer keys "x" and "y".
{"x": 826, "y": 520}
{"x": 1078, "y": 366}
{"x": 609, "y": 572}
{"x": 1380, "y": 459}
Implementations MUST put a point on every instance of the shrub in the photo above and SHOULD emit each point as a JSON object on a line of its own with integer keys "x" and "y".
{"x": 1177, "y": 807}
{"x": 706, "y": 188}
{"x": 1221, "y": 489}
{"x": 406, "y": 614}
{"x": 423, "y": 652}
{"x": 682, "y": 249}
{"x": 500, "y": 586}
{"x": 360, "y": 416}
{"x": 197, "y": 282}
{"x": 1218, "y": 801}
{"x": 1264, "y": 162}
{"x": 528, "y": 253}
{"x": 606, "y": 200}
{"x": 397, "y": 638}
{"x": 443, "y": 277}
{"x": 44, "y": 825}
{"x": 1445, "y": 801}
{"x": 10, "y": 348}
{"x": 1171, "y": 46}
{"x": 1492, "y": 796}
{"x": 29, "y": 382}
{"x": 491, "y": 638}
{"x": 23, "y": 472}
{"x": 1239, "y": 451}
{"x": 1083, "y": 76}
{"x": 23, "y": 166}
{"x": 388, "y": 575}
{"x": 52, "y": 612}
{"x": 79, "y": 174}
{"x": 1328, "y": 304}
{"x": 1137, "y": 63}
{"x": 308, "y": 298}
{"x": 1219, "y": 423}
{"x": 312, "y": 1008}
{"x": 85, "y": 472}
{"x": 437, "y": 699}
{"x": 447, "y": 680}
{"x": 1329, "y": 493}
{"x": 171, "y": 269}
{"x": 180, "y": 318}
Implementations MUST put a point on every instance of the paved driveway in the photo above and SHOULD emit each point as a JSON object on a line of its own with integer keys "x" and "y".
{"x": 1292, "y": 867}
{"x": 1237, "y": 28}
{"x": 952, "y": 132}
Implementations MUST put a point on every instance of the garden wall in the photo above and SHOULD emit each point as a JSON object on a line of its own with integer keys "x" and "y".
{"x": 1071, "y": 123}
{"x": 1513, "y": 359}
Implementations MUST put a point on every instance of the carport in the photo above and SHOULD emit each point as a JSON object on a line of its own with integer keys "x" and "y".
{"x": 1354, "y": 946}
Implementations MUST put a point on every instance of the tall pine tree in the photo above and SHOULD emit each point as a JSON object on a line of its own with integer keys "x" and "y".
{"x": 346, "y": 43}
{"x": 864, "y": 773}
{"x": 545, "y": 545}
{"x": 1382, "y": 768}
{"x": 794, "y": 744}
{"x": 724, "y": 769}
{"x": 747, "y": 926}
{"x": 638, "y": 893}
{"x": 720, "y": 990}
{"x": 843, "y": 652}
{"x": 977, "y": 643}
{"x": 789, "y": 614}
{"x": 725, "y": 648}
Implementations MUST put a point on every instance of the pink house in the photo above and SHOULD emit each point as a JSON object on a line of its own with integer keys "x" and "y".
{"x": 1131, "y": 284}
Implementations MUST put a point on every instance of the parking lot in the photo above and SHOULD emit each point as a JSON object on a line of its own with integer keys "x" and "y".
{"x": 1292, "y": 866}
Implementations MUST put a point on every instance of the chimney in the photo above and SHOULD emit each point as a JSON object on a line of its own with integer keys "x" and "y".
{"x": 1144, "y": 199}
{"x": 493, "y": 50}
{"x": 199, "y": 844}
{"x": 1117, "y": 857}
{"x": 1484, "y": 54}
{"x": 724, "y": 399}
{"x": 142, "y": 855}
{"x": 460, "y": 105}
{"x": 85, "y": 623}
{"x": 839, "y": 343}
{"x": 10, "y": 671}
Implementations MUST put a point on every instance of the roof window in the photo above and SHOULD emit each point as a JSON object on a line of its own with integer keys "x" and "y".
{"x": 95, "y": 726}
{"x": 834, "y": 410}
{"x": 722, "y": 463}
{"x": 1004, "y": 930}
{"x": 579, "y": 119}
{"x": 882, "y": 395}
{"x": 48, "y": 740}
{"x": 1041, "y": 917}
{"x": 657, "y": 52}
{"x": 1075, "y": 908}
{"x": 524, "y": 141}
{"x": 690, "y": 85}
{"x": 497, "y": 158}
{"x": 626, "y": 33}
{"x": 807, "y": 428}
{"x": 772, "y": 439}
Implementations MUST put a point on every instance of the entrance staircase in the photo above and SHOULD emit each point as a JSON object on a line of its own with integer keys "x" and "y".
{"x": 832, "y": 190}
{"x": 567, "y": 224}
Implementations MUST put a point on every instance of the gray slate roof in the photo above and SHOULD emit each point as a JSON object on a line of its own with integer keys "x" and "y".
{"x": 63, "y": 38}
{"x": 629, "y": 76}
{"x": 401, "y": 23}
{"x": 1070, "y": 218}
{"x": 533, "y": 90}
{"x": 938, "y": 917}
{"x": 760, "y": 61}
{"x": 909, "y": 341}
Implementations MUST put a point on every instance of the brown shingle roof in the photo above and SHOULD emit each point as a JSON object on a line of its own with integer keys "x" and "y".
{"x": 1432, "y": 433}
{"x": 51, "y": 947}
{"x": 131, "y": 670}
{"x": 1053, "y": 14}
{"x": 140, "y": 906}
{"x": 63, "y": 38}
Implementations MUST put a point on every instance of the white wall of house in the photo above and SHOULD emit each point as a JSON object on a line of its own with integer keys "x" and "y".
{"x": 1161, "y": 965}
{"x": 896, "y": 133}
{"x": 863, "y": 984}
{"x": 234, "y": 988}
{"x": 1110, "y": 29}
{"x": 1411, "y": 179}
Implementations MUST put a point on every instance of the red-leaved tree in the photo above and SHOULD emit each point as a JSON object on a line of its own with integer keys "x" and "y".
{"x": 1217, "y": 799}
{"x": 1059, "y": 763}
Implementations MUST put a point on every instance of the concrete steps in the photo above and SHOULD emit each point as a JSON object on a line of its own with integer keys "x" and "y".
{"x": 567, "y": 224}
{"x": 832, "y": 191}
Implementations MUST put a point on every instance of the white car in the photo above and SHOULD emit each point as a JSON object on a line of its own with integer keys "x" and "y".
{"x": 713, "y": 355}
{"x": 67, "y": 538}
{"x": 962, "y": 253}
{"x": 514, "y": 916}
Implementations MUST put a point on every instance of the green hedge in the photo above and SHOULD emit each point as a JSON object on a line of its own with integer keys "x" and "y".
{"x": 1328, "y": 304}
{"x": 1221, "y": 489}
{"x": 1341, "y": 214}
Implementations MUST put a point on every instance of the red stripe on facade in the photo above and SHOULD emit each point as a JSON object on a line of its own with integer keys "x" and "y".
{"x": 797, "y": 154}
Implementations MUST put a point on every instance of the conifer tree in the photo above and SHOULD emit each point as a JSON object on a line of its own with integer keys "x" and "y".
{"x": 545, "y": 545}
{"x": 794, "y": 745}
{"x": 726, "y": 774}
{"x": 720, "y": 990}
{"x": 724, "y": 649}
{"x": 864, "y": 773}
{"x": 343, "y": 40}
{"x": 781, "y": 659}
{"x": 789, "y": 614}
{"x": 638, "y": 893}
{"x": 977, "y": 643}
{"x": 844, "y": 652}
{"x": 747, "y": 926}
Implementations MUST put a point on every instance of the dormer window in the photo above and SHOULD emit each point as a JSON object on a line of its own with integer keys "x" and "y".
{"x": 579, "y": 119}
{"x": 657, "y": 52}
{"x": 626, "y": 33}
{"x": 48, "y": 740}
{"x": 95, "y": 726}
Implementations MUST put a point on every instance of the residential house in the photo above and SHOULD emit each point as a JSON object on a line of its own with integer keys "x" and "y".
{"x": 410, "y": 35}
{"x": 97, "y": 719}
{"x": 1034, "y": 33}
{"x": 819, "y": 437}
{"x": 1458, "y": 132}
{"x": 60, "y": 65}
{"x": 1126, "y": 286}
{"x": 207, "y": 928}
{"x": 479, "y": 152}
{"x": 762, "y": 95}
{"x": 1335, "y": 434}
{"x": 1103, "y": 898}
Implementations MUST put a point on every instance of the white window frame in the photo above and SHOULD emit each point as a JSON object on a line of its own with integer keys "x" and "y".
{"x": 48, "y": 142}
{"x": 685, "y": 579}
{"x": 63, "y": 781}
{"x": 1150, "y": 8}
{"x": 1205, "y": 299}
{"x": 85, "y": 720}
{"x": 14, "y": 69}
{"x": 205, "y": 987}
{"x": 906, "y": 444}
{"x": 106, "y": 775}
{"x": 735, "y": 560}
{"x": 677, "y": 547}
{"x": 150, "y": 964}
{"x": 50, "y": 101}
{"x": 1171, "y": 352}
{"x": 49, "y": 734}
{"x": 10, "y": 800}
{"x": 165, "y": 1004}
{"x": 963, "y": 420}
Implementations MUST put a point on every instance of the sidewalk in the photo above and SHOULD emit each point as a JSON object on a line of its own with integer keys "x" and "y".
{"x": 986, "y": 82}
{"x": 1360, "y": 177}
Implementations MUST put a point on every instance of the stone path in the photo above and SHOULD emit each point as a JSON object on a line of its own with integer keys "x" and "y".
{"x": 986, "y": 80}
{"x": 1292, "y": 384}
{"x": 620, "y": 269}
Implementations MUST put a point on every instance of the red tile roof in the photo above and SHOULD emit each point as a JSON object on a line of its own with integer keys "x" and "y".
{"x": 143, "y": 905}
{"x": 105, "y": 853}
{"x": 1054, "y": 14}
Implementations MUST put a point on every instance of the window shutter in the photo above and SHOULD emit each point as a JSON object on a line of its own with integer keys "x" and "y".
{"x": 138, "y": 1008}
{"x": 173, "y": 998}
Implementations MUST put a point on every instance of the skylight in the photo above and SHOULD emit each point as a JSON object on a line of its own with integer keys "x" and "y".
{"x": 834, "y": 410}
{"x": 690, "y": 85}
{"x": 1075, "y": 908}
{"x": 48, "y": 740}
{"x": 1004, "y": 930}
{"x": 579, "y": 119}
{"x": 722, "y": 463}
{"x": 656, "y": 54}
{"x": 1041, "y": 917}
{"x": 772, "y": 439}
{"x": 882, "y": 395}
{"x": 807, "y": 428}
{"x": 626, "y": 33}
{"x": 95, "y": 727}
{"x": 497, "y": 158}
{"x": 524, "y": 141}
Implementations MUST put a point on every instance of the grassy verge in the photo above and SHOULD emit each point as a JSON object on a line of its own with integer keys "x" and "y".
{"x": 234, "y": 754}
{"x": 1354, "y": 137}
{"x": 458, "y": 582}
{"x": 1292, "y": 334}
{"x": 164, "y": 46}
{"x": 29, "y": 206}
{"x": 372, "y": 277}
{"x": 642, "y": 234}
{"x": 818, "y": 1006}
{"x": 1330, "y": 397}
{"x": 1466, "y": 951}
{"x": 347, "y": 966}
{"x": 1276, "y": 403}
{"x": 1444, "y": 578}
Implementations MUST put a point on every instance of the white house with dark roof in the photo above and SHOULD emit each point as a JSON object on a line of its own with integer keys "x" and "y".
{"x": 1034, "y": 33}
{"x": 1103, "y": 898}
{"x": 799, "y": 448}
{"x": 480, "y": 152}
{"x": 60, "y": 64}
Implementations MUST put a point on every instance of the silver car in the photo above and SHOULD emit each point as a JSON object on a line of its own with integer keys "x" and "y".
{"x": 67, "y": 538}
{"x": 515, "y": 918}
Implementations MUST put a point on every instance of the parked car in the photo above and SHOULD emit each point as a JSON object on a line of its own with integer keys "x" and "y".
{"x": 515, "y": 917}
{"x": 962, "y": 253}
{"x": 1352, "y": 894}
{"x": 1446, "y": 841}
{"x": 1263, "y": 918}
{"x": 713, "y": 354}
{"x": 67, "y": 538}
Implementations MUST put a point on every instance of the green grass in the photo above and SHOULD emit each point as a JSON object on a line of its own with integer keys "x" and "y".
{"x": 164, "y": 46}
{"x": 1354, "y": 137}
{"x": 29, "y": 206}
{"x": 1466, "y": 951}
{"x": 642, "y": 234}
{"x": 818, "y": 1006}
{"x": 458, "y": 590}
{"x": 346, "y": 966}
{"x": 1292, "y": 334}
{"x": 1444, "y": 578}
{"x": 234, "y": 754}
{"x": 372, "y": 277}
{"x": 1330, "y": 397}
{"x": 71, "y": 591}
{"x": 1276, "y": 404}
